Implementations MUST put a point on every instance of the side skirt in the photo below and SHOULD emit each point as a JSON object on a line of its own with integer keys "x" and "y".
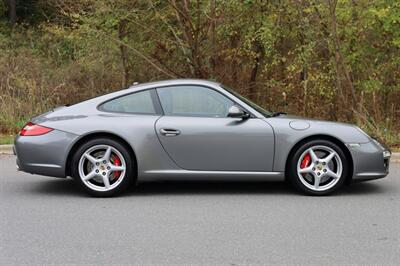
{"x": 212, "y": 175}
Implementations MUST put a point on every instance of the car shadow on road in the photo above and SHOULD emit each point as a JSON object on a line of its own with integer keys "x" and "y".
{"x": 240, "y": 188}
{"x": 68, "y": 187}
{"x": 210, "y": 188}
{"x": 55, "y": 186}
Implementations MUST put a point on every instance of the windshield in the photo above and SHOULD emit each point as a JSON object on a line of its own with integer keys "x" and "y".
{"x": 250, "y": 103}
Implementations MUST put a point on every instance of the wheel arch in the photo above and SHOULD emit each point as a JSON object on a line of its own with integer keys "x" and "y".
{"x": 95, "y": 135}
{"x": 336, "y": 141}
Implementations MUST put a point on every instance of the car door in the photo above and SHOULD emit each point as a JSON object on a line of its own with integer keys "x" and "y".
{"x": 197, "y": 134}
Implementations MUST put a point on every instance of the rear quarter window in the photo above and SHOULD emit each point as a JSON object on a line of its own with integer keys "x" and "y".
{"x": 138, "y": 103}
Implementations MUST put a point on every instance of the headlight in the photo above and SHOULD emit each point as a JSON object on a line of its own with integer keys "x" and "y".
{"x": 386, "y": 154}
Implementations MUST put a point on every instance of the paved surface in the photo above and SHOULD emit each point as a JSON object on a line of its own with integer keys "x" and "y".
{"x": 46, "y": 220}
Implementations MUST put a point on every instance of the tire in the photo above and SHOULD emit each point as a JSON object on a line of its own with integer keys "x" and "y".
{"x": 99, "y": 160}
{"x": 318, "y": 167}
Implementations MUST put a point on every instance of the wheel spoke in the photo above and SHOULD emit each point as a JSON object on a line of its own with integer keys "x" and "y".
{"x": 328, "y": 158}
{"x": 314, "y": 157}
{"x": 90, "y": 158}
{"x": 117, "y": 168}
{"x": 107, "y": 154}
{"x": 306, "y": 170}
{"x": 331, "y": 174}
{"x": 106, "y": 181}
{"x": 317, "y": 180}
{"x": 90, "y": 175}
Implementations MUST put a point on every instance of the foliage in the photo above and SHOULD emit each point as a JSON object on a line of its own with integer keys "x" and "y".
{"x": 333, "y": 59}
{"x": 6, "y": 139}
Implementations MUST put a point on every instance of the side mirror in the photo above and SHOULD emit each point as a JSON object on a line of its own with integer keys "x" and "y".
{"x": 237, "y": 112}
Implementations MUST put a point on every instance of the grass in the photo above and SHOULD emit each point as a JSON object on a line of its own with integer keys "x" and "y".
{"x": 6, "y": 139}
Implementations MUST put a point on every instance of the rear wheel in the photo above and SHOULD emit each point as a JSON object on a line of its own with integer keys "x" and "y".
{"x": 318, "y": 167}
{"x": 103, "y": 167}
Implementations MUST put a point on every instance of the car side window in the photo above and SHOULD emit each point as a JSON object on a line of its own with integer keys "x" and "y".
{"x": 139, "y": 102}
{"x": 194, "y": 101}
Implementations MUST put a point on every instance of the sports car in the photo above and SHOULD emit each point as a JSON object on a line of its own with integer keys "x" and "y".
{"x": 193, "y": 129}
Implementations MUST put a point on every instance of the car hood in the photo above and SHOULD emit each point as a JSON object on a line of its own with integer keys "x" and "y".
{"x": 291, "y": 117}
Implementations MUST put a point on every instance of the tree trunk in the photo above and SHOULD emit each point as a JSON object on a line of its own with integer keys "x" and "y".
{"x": 122, "y": 32}
{"x": 12, "y": 12}
{"x": 188, "y": 31}
{"x": 213, "y": 36}
{"x": 304, "y": 80}
{"x": 259, "y": 49}
{"x": 341, "y": 65}
{"x": 233, "y": 42}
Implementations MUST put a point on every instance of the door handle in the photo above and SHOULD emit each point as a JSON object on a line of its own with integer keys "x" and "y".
{"x": 169, "y": 132}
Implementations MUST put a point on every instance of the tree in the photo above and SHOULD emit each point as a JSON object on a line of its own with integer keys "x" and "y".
{"x": 12, "y": 12}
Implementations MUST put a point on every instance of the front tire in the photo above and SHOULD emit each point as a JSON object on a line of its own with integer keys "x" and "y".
{"x": 103, "y": 167}
{"x": 318, "y": 167}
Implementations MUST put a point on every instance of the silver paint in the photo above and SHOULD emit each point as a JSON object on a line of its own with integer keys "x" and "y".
{"x": 299, "y": 125}
{"x": 222, "y": 146}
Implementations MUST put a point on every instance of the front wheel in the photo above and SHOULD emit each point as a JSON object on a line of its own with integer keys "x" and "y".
{"x": 318, "y": 167}
{"x": 103, "y": 167}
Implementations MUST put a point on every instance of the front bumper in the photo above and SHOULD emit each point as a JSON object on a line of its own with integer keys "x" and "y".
{"x": 371, "y": 161}
{"x": 45, "y": 154}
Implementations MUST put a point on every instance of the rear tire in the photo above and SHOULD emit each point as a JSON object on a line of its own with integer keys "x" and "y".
{"x": 103, "y": 167}
{"x": 318, "y": 167}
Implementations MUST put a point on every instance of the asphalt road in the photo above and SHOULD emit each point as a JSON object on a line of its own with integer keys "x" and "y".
{"x": 48, "y": 221}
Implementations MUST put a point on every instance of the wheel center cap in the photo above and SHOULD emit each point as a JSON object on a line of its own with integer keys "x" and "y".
{"x": 102, "y": 167}
{"x": 320, "y": 167}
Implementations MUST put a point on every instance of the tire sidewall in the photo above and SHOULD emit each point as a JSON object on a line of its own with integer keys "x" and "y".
{"x": 293, "y": 177}
{"x": 129, "y": 172}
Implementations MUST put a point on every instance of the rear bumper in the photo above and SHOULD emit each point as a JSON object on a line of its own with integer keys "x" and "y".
{"x": 371, "y": 161}
{"x": 45, "y": 154}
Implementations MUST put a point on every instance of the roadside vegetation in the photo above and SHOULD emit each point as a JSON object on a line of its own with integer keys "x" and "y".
{"x": 6, "y": 139}
{"x": 336, "y": 60}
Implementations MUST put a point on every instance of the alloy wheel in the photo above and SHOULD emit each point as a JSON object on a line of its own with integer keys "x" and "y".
{"x": 319, "y": 168}
{"x": 102, "y": 168}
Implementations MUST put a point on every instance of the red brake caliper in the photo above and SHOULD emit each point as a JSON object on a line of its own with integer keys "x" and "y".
{"x": 305, "y": 162}
{"x": 117, "y": 162}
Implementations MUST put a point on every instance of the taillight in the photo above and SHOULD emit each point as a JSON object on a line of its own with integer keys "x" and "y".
{"x": 32, "y": 129}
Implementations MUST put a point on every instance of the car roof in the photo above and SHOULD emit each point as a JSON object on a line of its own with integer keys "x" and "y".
{"x": 144, "y": 86}
{"x": 171, "y": 82}
{"x": 82, "y": 107}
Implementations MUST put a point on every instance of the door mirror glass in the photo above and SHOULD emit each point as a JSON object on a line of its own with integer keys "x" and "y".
{"x": 237, "y": 112}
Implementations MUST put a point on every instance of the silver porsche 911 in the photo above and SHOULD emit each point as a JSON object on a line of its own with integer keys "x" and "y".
{"x": 193, "y": 129}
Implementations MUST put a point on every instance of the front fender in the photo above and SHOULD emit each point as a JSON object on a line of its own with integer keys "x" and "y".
{"x": 287, "y": 136}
